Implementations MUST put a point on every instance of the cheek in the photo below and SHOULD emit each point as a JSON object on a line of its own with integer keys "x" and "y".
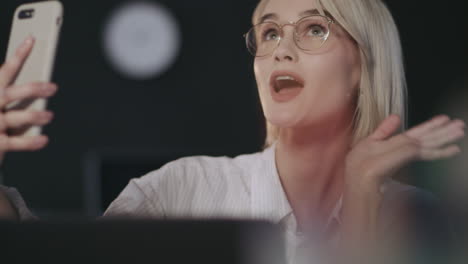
{"x": 261, "y": 72}
{"x": 336, "y": 74}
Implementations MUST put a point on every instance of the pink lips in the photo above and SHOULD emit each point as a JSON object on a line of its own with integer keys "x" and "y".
{"x": 289, "y": 93}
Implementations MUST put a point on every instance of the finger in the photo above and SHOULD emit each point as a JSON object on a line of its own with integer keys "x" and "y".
{"x": 22, "y": 143}
{"x": 10, "y": 69}
{"x": 30, "y": 90}
{"x": 397, "y": 142}
{"x": 386, "y": 128}
{"x": 434, "y": 154}
{"x": 17, "y": 119}
{"x": 448, "y": 134}
{"x": 443, "y": 129}
{"x": 390, "y": 162}
{"x": 420, "y": 130}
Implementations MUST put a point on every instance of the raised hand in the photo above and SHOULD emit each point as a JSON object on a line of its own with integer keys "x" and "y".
{"x": 375, "y": 159}
{"x": 380, "y": 155}
{"x": 20, "y": 118}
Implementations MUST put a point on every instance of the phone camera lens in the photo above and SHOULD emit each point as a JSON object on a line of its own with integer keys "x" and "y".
{"x": 25, "y": 14}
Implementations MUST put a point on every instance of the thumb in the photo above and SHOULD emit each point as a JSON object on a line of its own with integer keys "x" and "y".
{"x": 386, "y": 128}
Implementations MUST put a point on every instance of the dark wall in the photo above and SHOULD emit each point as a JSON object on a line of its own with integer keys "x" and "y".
{"x": 206, "y": 103}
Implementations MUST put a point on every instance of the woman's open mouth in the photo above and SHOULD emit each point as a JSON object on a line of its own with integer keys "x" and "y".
{"x": 284, "y": 86}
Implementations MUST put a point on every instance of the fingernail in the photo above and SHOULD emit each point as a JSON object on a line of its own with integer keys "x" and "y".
{"x": 29, "y": 40}
{"x": 40, "y": 141}
{"x": 46, "y": 115}
{"x": 50, "y": 89}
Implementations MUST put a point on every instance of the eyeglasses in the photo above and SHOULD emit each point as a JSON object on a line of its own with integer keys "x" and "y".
{"x": 310, "y": 34}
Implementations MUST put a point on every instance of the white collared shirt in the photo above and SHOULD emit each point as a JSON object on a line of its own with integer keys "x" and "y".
{"x": 244, "y": 187}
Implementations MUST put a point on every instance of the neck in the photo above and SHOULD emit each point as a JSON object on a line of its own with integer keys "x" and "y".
{"x": 310, "y": 162}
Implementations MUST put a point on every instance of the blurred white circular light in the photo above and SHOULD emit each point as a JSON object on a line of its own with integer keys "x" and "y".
{"x": 141, "y": 40}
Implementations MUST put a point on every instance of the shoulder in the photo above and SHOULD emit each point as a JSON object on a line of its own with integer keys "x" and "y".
{"x": 419, "y": 213}
{"x": 400, "y": 196}
{"x": 201, "y": 185}
{"x": 202, "y": 169}
{"x": 13, "y": 204}
{"x": 398, "y": 193}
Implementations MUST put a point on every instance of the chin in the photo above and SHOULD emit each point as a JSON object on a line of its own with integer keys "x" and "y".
{"x": 282, "y": 118}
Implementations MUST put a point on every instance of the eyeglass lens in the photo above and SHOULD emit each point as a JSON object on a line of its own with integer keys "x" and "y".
{"x": 310, "y": 34}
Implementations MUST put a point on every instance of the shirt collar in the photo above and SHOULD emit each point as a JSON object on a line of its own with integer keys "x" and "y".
{"x": 269, "y": 200}
{"x": 335, "y": 214}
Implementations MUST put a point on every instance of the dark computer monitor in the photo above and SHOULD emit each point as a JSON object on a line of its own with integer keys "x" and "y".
{"x": 142, "y": 241}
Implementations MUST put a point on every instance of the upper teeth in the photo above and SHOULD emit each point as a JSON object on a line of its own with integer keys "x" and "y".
{"x": 282, "y": 78}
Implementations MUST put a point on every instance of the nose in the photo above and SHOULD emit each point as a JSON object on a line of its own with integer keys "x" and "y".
{"x": 286, "y": 50}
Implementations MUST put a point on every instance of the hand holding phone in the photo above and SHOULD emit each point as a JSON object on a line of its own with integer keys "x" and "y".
{"x": 20, "y": 118}
{"x": 42, "y": 21}
{"x": 25, "y": 77}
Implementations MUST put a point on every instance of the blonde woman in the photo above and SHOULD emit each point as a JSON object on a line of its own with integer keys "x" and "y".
{"x": 332, "y": 87}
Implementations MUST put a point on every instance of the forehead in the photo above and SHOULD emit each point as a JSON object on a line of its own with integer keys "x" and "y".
{"x": 289, "y": 10}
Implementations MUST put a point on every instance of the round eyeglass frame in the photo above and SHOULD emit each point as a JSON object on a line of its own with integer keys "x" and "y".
{"x": 294, "y": 24}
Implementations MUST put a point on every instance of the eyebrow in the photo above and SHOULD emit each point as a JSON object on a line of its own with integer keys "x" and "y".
{"x": 275, "y": 16}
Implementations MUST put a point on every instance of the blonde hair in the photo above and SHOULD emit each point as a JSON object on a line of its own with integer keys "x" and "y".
{"x": 382, "y": 88}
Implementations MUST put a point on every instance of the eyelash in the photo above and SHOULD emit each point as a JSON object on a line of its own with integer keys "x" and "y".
{"x": 309, "y": 27}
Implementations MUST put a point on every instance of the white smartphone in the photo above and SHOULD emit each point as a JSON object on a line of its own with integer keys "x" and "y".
{"x": 43, "y": 21}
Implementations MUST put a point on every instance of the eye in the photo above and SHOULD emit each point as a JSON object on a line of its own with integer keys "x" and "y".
{"x": 315, "y": 27}
{"x": 316, "y": 31}
{"x": 270, "y": 34}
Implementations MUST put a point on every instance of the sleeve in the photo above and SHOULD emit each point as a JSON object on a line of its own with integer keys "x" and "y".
{"x": 146, "y": 197}
{"x": 18, "y": 203}
{"x": 135, "y": 202}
